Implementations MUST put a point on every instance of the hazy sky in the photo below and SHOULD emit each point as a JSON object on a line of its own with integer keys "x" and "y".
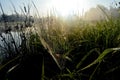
{"x": 63, "y": 7}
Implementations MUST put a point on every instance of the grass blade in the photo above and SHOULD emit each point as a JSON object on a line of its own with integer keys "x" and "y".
{"x": 84, "y": 58}
{"x": 101, "y": 56}
{"x": 2, "y": 66}
{"x": 43, "y": 73}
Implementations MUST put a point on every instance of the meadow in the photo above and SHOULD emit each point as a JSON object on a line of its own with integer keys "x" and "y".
{"x": 53, "y": 48}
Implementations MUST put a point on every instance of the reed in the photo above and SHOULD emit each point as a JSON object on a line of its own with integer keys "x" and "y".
{"x": 79, "y": 50}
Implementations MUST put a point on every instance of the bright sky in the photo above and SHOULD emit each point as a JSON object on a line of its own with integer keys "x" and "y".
{"x": 62, "y": 7}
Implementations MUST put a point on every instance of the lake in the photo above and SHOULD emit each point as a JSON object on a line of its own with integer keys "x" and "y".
{"x": 7, "y": 39}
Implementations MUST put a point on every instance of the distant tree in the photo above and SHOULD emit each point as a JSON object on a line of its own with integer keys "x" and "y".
{"x": 12, "y": 18}
{"x": 101, "y": 12}
{"x": 96, "y": 13}
{"x": 114, "y": 12}
{"x": 4, "y": 17}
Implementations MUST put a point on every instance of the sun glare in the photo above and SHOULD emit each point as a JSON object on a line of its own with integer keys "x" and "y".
{"x": 68, "y": 7}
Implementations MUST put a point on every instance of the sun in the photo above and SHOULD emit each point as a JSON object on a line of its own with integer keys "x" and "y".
{"x": 68, "y": 7}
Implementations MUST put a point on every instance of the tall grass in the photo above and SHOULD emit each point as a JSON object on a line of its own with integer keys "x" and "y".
{"x": 15, "y": 41}
{"x": 80, "y": 46}
{"x": 81, "y": 51}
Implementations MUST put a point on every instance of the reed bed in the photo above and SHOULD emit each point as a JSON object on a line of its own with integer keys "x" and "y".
{"x": 75, "y": 48}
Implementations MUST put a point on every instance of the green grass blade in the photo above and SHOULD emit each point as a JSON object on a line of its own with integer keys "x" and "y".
{"x": 43, "y": 72}
{"x": 69, "y": 74}
{"x": 112, "y": 70}
{"x": 2, "y": 66}
{"x": 91, "y": 76}
{"x": 101, "y": 56}
{"x": 84, "y": 58}
{"x": 47, "y": 47}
